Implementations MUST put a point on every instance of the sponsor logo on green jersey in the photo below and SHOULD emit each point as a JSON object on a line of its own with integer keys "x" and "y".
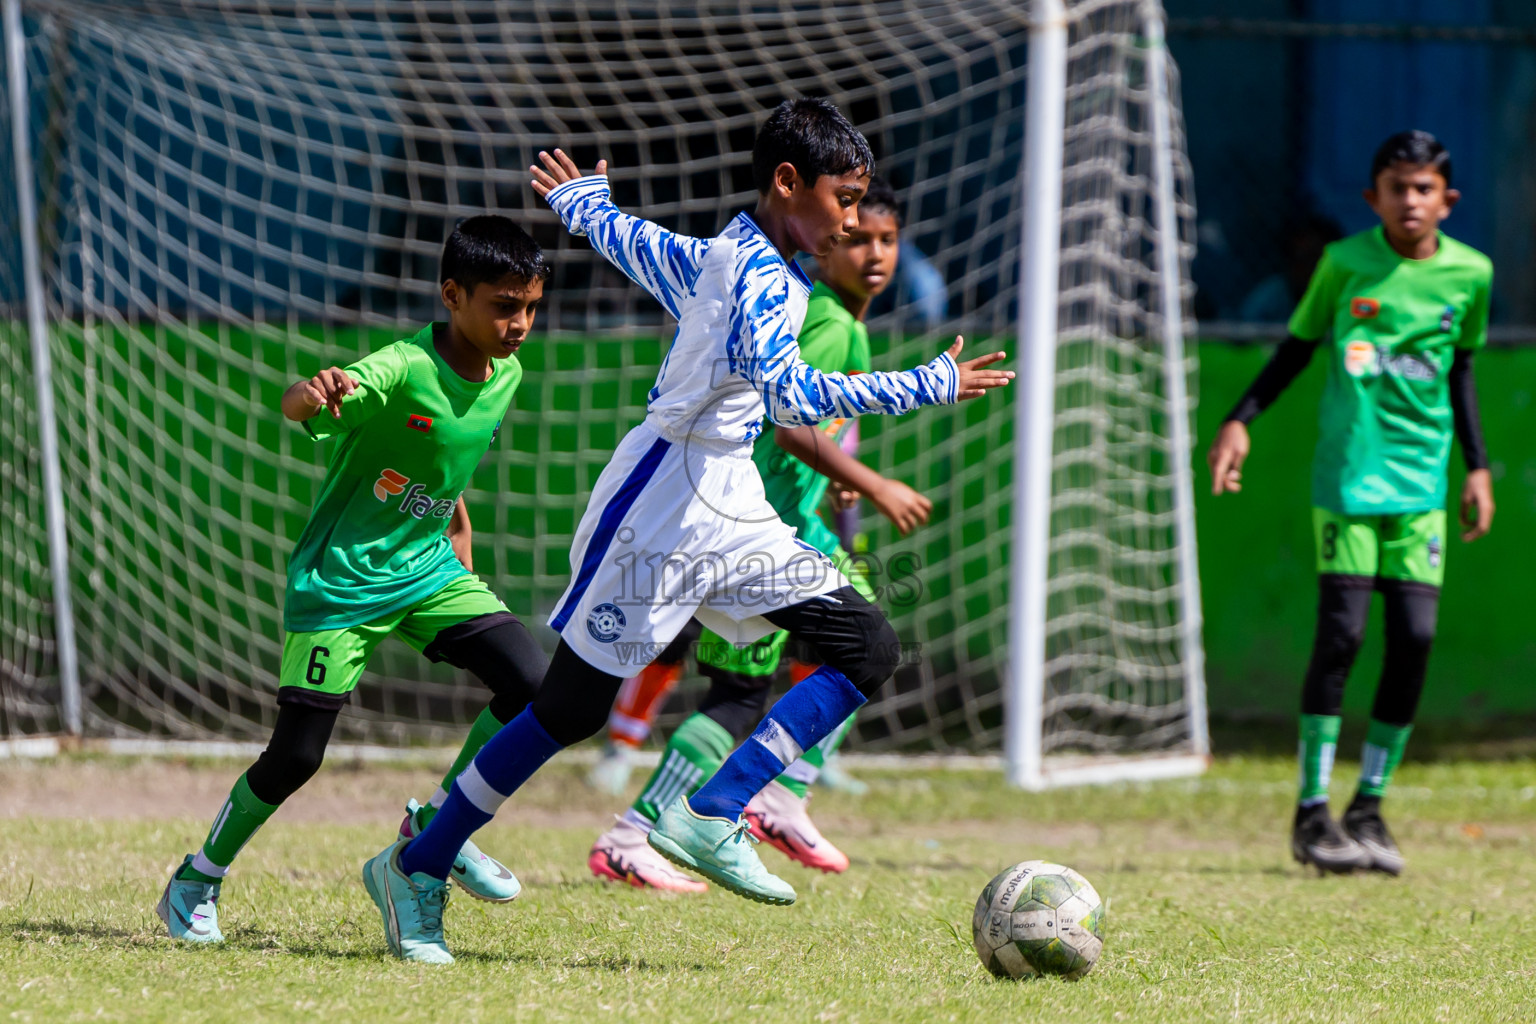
{"x": 416, "y": 502}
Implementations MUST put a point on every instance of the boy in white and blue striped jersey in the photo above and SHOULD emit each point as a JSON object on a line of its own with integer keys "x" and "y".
{"x": 678, "y": 525}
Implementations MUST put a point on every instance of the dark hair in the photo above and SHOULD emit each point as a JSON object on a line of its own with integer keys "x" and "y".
{"x": 487, "y": 248}
{"x": 814, "y": 137}
{"x": 880, "y": 197}
{"x": 1413, "y": 147}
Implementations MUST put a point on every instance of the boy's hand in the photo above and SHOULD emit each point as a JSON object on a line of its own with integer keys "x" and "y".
{"x": 1477, "y": 504}
{"x": 845, "y": 498}
{"x": 327, "y": 389}
{"x": 901, "y": 505}
{"x": 1226, "y": 457}
{"x": 557, "y": 170}
{"x": 974, "y": 381}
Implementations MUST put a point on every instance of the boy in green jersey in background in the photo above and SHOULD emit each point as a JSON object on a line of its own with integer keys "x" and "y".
{"x": 1404, "y": 308}
{"x": 387, "y": 550}
{"x": 797, "y": 465}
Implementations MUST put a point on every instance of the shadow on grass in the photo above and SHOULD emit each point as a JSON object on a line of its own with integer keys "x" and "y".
{"x": 613, "y": 964}
{"x": 618, "y": 964}
{"x": 253, "y": 941}
{"x": 27, "y": 930}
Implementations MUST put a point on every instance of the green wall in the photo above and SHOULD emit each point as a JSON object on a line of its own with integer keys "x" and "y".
{"x": 1256, "y": 554}
{"x": 236, "y": 476}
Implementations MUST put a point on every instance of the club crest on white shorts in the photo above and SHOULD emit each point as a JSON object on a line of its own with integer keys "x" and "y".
{"x": 606, "y": 623}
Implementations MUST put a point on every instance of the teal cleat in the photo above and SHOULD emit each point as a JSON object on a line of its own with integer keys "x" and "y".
{"x": 720, "y": 850}
{"x": 190, "y": 909}
{"x": 483, "y": 877}
{"x": 412, "y": 908}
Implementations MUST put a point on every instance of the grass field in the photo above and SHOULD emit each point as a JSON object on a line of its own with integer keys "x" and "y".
{"x": 1208, "y": 919}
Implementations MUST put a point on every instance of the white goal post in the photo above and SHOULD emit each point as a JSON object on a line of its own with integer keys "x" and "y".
{"x": 1093, "y": 56}
{"x": 216, "y": 198}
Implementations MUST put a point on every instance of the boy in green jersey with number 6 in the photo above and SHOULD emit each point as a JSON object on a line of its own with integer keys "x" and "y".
{"x": 387, "y": 550}
{"x": 1404, "y": 308}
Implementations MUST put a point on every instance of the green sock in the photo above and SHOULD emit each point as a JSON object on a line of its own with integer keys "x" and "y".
{"x": 238, "y": 820}
{"x": 1319, "y": 741}
{"x": 800, "y": 775}
{"x": 693, "y": 754}
{"x": 1380, "y": 756}
{"x": 486, "y": 726}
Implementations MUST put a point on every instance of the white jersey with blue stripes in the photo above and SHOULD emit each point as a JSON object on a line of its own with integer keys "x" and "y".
{"x": 739, "y": 307}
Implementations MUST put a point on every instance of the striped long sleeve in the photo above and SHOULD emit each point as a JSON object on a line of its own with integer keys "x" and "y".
{"x": 662, "y": 262}
{"x": 765, "y": 353}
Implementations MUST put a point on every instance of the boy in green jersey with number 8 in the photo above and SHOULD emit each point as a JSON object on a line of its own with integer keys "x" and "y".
{"x": 1404, "y": 308}
{"x": 387, "y": 550}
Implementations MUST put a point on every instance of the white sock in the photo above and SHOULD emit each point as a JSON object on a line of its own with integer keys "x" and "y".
{"x": 480, "y": 793}
{"x": 800, "y": 771}
{"x": 1373, "y": 764}
{"x": 639, "y": 820}
{"x": 202, "y": 865}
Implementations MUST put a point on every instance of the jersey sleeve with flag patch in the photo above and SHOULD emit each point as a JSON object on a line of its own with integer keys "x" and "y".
{"x": 376, "y": 376}
{"x": 404, "y": 450}
{"x": 662, "y": 262}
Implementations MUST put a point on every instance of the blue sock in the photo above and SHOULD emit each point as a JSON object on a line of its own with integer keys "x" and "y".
{"x": 802, "y": 718}
{"x": 507, "y": 760}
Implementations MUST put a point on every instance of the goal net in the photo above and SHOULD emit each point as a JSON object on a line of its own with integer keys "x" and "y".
{"x": 234, "y": 194}
{"x": 1113, "y": 686}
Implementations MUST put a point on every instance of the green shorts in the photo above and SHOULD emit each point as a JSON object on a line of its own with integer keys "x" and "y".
{"x": 762, "y": 657}
{"x": 1407, "y": 546}
{"x": 321, "y": 669}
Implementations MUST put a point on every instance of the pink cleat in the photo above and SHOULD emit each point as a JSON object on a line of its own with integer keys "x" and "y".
{"x": 623, "y": 855}
{"x": 778, "y": 818}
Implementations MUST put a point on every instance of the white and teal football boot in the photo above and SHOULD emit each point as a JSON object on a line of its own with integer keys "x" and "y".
{"x": 482, "y": 876}
{"x": 412, "y": 908}
{"x": 720, "y": 850}
{"x": 189, "y": 908}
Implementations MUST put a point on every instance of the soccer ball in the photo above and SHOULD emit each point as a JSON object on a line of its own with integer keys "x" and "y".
{"x": 1038, "y": 918}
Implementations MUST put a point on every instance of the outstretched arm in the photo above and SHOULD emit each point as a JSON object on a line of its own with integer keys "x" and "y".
{"x": 662, "y": 262}
{"x": 763, "y": 351}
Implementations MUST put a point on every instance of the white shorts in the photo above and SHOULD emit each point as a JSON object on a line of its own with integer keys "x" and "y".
{"x": 676, "y": 530}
